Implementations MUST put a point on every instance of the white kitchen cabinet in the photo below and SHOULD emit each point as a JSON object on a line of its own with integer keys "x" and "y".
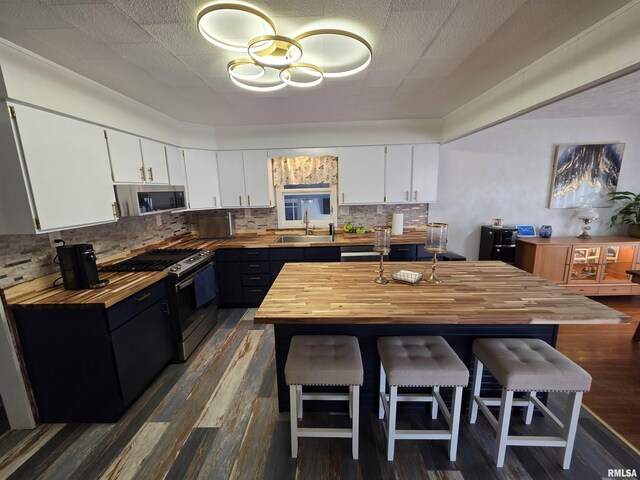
{"x": 175, "y": 165}
{"x": 125, "y": 156}
{"x": 361, "y": 175}
{"x": 55, "y": 173}
{"x": 154, "y": 160}
{"x": 398, "y": 167}
{"x": 258, "y": 178}
{"x": 246, "y": 179}
{"x": 425, "y": 173}
{"x": 411, "y": 173}
{"x": 202, "y": 179}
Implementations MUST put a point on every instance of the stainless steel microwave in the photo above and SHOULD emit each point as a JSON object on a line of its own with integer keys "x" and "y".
{"x": 135, "y": 200}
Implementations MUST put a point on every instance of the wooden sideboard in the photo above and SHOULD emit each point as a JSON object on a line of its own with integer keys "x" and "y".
{"x": 593, "y": 267}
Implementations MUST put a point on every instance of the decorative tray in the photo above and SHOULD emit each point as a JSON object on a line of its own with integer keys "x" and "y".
{"x": 407, "y": 276}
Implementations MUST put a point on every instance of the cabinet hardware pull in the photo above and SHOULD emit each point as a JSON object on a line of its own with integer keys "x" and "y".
{"x": 249, "y": 200}
{"x": 215, "y": 201}
{"x": 343, "y": 198}
{"x": 403, "y": 249}
{"x": 253, "y": 253}
{"x": 143, "y": 297}
{"x": 151, "y": 174}
{"x": 256, "y": 290}
{"x": 142, "y": 174}
{"x": 406, "y": 195}
{"x": 255, "y": 278}
{"x": 240, "y": 197}
{"x": 114, "y": 207}
{"x": 415, "y": 195}
{"x": 254, "y": 266}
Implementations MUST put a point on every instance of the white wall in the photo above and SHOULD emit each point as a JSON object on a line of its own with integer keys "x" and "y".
{"x": 505, "y": 172}
{"x": 331, "y": 134}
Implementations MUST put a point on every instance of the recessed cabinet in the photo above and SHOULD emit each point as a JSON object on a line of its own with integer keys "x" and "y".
{"x": 246, "y": 179}
{"x": 154, "y": 160}
{"x": 411, "y": 173}
{"x": 54, "y": 173}
{"x": 136, "y": 160}
{"x": 361, "y": 175}
{"x": 590, "y": 267}
{"x": 201, "y": 169}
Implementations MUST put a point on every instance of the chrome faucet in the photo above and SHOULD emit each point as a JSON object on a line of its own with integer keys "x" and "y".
{"x": 306, "y": 222}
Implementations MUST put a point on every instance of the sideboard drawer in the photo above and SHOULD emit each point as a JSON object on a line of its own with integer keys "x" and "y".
{"x": 584, "y": 290}
{"x": 614, "y": 290}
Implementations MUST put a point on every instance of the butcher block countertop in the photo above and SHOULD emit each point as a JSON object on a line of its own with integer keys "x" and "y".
{"x": 40, "y": 292}
{"x": 471, "y": 293}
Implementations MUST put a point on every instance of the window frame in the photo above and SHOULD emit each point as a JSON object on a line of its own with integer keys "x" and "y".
{"x": 280, "y": 206}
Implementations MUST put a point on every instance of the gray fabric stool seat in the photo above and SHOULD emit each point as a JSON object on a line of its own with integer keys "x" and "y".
{"x": 324, "y": 360}
{"x": 420, "y": 361}
{"x": 527, "y": 365}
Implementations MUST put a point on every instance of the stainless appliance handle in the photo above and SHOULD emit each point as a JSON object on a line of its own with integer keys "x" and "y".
{"x": 182, "y": 284}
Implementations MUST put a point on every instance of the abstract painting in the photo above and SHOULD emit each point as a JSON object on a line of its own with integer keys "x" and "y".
{"x": 585, "y": 174}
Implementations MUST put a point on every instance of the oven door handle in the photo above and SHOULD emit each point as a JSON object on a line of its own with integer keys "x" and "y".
{"x": 183, "y": 285}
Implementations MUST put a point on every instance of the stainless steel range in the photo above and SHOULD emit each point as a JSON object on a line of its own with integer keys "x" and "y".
{"x": 192, "y": 318}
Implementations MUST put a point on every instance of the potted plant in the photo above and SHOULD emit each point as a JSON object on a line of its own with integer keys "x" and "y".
{"x": 629, "y": 213}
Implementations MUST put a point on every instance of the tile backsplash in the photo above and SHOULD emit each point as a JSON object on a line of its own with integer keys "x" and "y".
{"x": 25, "y": 257}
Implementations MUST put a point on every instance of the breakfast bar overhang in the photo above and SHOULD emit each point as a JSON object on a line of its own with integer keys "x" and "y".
{"x": 474, "y": 300}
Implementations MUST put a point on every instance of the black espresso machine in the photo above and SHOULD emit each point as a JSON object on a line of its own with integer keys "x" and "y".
{"x": 78, "y": 267}
{"x": 498, "y": 243}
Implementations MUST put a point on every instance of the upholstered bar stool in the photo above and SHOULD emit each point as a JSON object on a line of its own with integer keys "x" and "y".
{"x": 528, "y": 365}
{"x": 332, "y": 360}
{"x": 420, "y": 361}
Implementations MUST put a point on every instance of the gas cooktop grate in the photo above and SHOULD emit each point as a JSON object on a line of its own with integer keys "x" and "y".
{"x": 154, "y": 260}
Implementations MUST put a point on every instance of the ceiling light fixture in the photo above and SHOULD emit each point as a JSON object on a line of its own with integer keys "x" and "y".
{"x": 277, "y": 60}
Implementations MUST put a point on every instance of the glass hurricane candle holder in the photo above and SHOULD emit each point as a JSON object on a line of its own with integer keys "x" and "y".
{"x": 381, "y": 242}
{"x": 435, "y": 243}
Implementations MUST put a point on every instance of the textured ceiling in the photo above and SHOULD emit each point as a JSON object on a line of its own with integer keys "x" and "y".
{"x": 430, "y": 56}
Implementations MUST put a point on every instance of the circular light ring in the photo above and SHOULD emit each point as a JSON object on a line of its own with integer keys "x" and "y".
{"x": 232, "y": 6}
{"x": 330, "y": 31}
{"x": 307, "y": 68}
{"x": 259, "y": 88}
{"x": 238, "y": 62}
{"x": 261, "y": 47}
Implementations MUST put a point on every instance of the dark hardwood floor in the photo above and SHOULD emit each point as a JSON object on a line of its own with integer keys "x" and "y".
{"x": 216, "y": 417}
{"x": 613, "y": 360}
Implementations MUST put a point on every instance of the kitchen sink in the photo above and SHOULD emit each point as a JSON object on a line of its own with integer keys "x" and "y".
{"x": 304, "y": 239}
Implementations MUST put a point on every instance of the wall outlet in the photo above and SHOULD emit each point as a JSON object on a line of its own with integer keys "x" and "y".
{"x": 158, "y": 220}
{"x": 53, "y": 236}
{"x": 379, "y": 209}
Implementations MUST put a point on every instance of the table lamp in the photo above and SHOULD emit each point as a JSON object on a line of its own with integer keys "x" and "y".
{"x": 435, "y": 242}
{"x": 587, "y": 215}
{"x": 381, "y": 241}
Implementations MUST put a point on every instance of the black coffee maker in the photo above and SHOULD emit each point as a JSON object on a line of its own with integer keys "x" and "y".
{"x": 78, "y": 267}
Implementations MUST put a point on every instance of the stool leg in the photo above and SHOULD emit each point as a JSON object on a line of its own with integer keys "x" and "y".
{"x": 477, "y": 383}
{"x": 570, "y": 427}
{"x": 350, "y": 401}
{"x": 299, "y": 402}
{"x": 383, "y": 391}
{"x": 355, "y": 422}
{"x": 528, "y": 412}
{"x": 456, "y": 406}
{"x": 293, "y": 401}
{"x": 391, "y": 428}
{"x": 503, "y": 426}
{"x": 434, "y": 403}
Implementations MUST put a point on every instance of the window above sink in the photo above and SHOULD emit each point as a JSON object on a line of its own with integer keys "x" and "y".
{"x": 319, "y": 201}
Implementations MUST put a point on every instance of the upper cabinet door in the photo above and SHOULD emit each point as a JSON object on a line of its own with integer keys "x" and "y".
{"x": 425, "y": 172}
{"x": 258, "y": 179}
{"x": 398, "y": 174}
{"x": 231, "y": 173}
{"x": 175, "y": 165}
{"x": 361, "y": 175}
{"x": 125, "y": 157}
{"x": 155, "y": 161}
{"x": 68, "y": 169}
{"x": 202, "y": 179}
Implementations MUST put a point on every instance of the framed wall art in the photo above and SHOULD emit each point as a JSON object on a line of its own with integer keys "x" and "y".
{"x": 584, "y": 174}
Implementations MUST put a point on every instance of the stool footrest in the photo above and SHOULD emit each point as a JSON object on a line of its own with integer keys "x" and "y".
{"x": 325, "y": 396}
{"x": 422, "y": 435}
{"x": 534, "y": 441}
{"x": 325, "y": 432}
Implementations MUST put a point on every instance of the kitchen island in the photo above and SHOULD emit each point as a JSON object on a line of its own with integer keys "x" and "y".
{"x": 476, "y": 299}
